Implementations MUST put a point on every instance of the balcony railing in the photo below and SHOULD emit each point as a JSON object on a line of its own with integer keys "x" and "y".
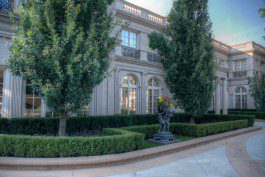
{"x": 6, "y": 5}
{"x": 153, "y": 57}
{"x": 131, "y": 52}
{"x": 240, "y": 74}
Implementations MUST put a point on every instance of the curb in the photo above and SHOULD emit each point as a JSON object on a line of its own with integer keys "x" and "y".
{"x": 14, "y": 163}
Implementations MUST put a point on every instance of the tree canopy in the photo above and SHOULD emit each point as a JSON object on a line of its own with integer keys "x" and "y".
{"x": 187, "y": 55}
{"x": 63, "y": 48}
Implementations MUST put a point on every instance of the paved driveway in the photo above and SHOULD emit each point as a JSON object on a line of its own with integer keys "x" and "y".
{"x": 213, "y": 163}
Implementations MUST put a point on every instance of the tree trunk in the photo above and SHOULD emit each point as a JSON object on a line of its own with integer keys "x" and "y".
{"x": 62, "y": 124}
{"x": 192, "y": 120}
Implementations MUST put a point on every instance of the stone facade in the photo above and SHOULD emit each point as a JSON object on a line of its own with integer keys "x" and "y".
{"x": 136, "y": 77}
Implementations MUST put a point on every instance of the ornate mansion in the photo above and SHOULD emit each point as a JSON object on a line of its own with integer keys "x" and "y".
{"x": 136, "y": 76}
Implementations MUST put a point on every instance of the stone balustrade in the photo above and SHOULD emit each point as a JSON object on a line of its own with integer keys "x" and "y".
{"x": 132, "y": 9}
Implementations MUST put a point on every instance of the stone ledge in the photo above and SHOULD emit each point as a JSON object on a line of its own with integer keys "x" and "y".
{"x": 115, "y": 159}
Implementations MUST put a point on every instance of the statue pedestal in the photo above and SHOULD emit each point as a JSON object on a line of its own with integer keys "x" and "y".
{"x": 164, "y": 136}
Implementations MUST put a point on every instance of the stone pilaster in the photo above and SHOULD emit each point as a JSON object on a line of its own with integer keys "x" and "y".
{"x": 143, "y": 92}
{"x": 13, "y": 96}
{"x": 225, "y": 96}
{"x": 217, "y": 97}
{"x": 117, "y": 91}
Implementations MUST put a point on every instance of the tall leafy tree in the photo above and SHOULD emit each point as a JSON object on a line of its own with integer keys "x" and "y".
{"x": 257, "y": 86}
{"x": 63, "y": 48}
{"x": 188, "y": 55}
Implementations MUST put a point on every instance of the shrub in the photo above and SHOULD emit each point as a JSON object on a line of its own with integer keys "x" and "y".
{"x": 120, "y": 141}
{"x": 195, "y": 130}
{"x": 43, "y": 126}
{"x": 211, "y": 118}
{"x": 260, "y": 115}
{"x": 201, "y": 130}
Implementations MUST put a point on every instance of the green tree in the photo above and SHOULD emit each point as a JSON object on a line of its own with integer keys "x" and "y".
{"x": 257, "y": 86}
{"x": 63, "y": 48}
{"x": 187, "y": 55}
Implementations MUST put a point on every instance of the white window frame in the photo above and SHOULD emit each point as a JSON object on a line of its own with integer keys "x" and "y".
{"x": 130, "y": 86}
{"x": 242, "y": 93}
{"x": 242, "y": 65}
{"x": 153, "y": 101}
{"x": 130, "y": 36}
{"x": 33, "y": 97}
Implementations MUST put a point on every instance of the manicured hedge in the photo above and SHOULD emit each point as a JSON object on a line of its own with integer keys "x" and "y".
{"x": 195, "y": 130}
{"x": 43, "y": 126}
{"x": 260, "y": 115}
{"x": 243, "y": 110}
{"x": 211, "y": 118}
{"x": 45, "y": 147}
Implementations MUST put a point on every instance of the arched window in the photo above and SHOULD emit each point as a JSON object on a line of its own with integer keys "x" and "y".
{"x": 128, "y": 93}
{"x": 241, "y": 98}
{"x": 153, "y": 91}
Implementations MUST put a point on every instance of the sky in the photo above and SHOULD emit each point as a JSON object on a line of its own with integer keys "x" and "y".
{"x": 234, "y": 21}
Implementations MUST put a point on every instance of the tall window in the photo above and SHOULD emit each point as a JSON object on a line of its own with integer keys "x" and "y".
{"x": 33, "y": 102}
{"x": 128, "y": 93}
{"x": 241, "y": 98}
{"x": 153, "y": 90}
{"x": 240, "y": 65}
{"x": 128, "y": 38}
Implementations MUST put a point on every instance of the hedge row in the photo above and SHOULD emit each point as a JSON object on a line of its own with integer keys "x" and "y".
{"x": 195, "y": 130}
{"x": 211, "y": 118}
{"x": 260, "y": 115}
{"x": 115, "y": 141}
{"x": 43, "y": 126}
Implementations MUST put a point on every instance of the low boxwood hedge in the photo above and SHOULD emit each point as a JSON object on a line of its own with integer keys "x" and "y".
{"x": 115, "y": 141}
{"x": 211, "y": 118}
{"x": 43, "y": 126}
{"x": 195, "y": 130}
{"x": 260, "y": 115}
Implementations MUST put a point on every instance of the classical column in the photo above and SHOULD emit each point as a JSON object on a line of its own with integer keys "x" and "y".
{"x": 13, "y": 95}
{"x": 225, "y": 96}
{"x": 217, "y": 96}
{"x": 117, "y": 91}
{"x": 143, "y": 93}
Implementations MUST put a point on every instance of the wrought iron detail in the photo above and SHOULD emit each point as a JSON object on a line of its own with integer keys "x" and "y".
{"x": 153, "y": 57}
{"x": 240, "y": 74}
{"x": 6, "y": 5}
{"x": 131, "y": 52}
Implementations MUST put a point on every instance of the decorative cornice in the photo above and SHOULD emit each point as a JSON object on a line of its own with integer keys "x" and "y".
{"x": 139, "y": 62}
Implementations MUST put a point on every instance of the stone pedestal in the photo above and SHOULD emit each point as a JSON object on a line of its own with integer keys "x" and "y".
{"x": 164, "y": 136}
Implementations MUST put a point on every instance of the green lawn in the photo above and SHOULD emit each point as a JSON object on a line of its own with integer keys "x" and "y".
{"x": 148, "y": 144}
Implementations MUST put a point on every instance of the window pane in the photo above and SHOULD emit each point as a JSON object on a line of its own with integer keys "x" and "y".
{"x": 133, "y": 80}
{"x": 132, "y": 101}
{"x": 243, "y": 65}
{"x": 37, "y": 107}
{"x": 244, "y": 101}
{"x": 238, "y": 102}
{"x": 124, "y": 103}
{"x": 124, "y": 80}
{"x": 237, "y": 65}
